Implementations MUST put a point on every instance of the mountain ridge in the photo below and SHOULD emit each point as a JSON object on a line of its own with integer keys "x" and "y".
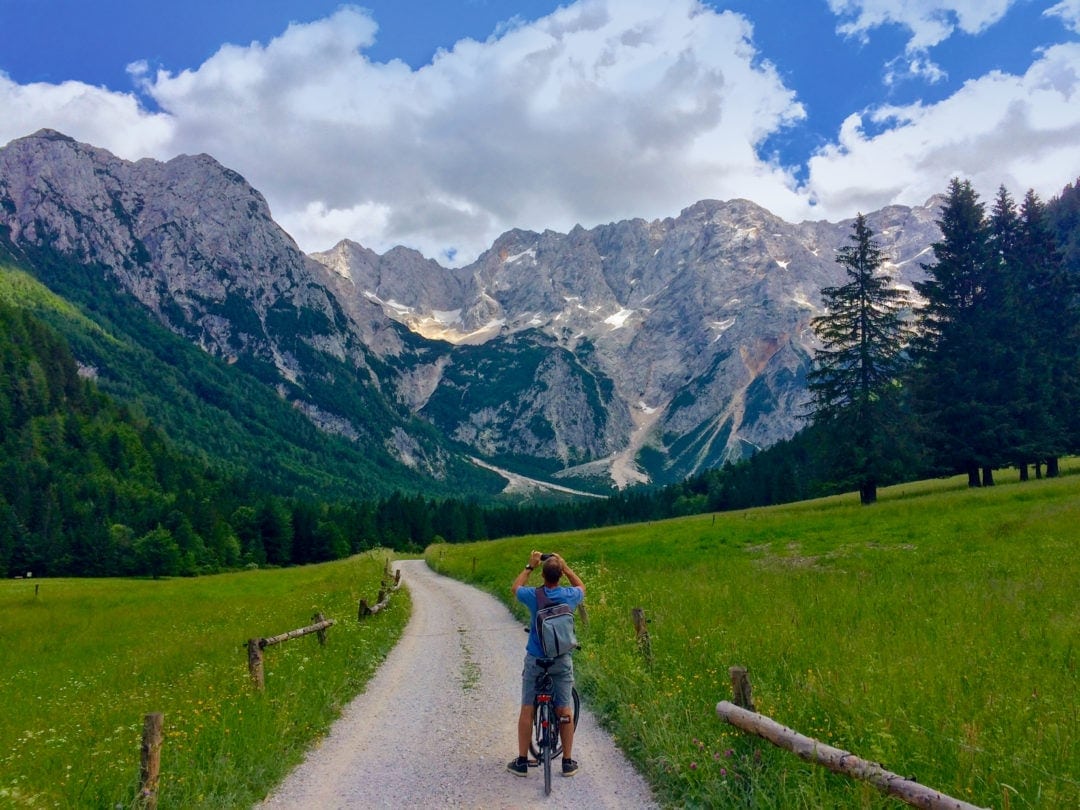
{"x": 652, "y": 301}
{"x": 627, "y": 353}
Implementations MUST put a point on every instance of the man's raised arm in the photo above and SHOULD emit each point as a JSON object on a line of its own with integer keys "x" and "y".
{"x": 523, "y": 577}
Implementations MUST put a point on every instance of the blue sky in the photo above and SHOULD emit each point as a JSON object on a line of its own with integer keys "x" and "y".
{"x": 439, "y": 125}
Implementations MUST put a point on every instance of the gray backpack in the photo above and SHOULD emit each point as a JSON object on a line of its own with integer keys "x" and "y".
{"x": 554, "y": 626}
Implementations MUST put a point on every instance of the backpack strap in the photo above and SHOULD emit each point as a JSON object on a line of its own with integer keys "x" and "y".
{"x": 542, "y": 601}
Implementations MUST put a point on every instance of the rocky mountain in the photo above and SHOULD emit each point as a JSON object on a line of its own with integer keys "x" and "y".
{"x": 656, "y": 349}
{"x": 635, "y": 351}
{"x": 197, "y": 247}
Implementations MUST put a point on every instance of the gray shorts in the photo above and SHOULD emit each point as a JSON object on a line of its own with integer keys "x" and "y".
{"x": 562, "y": 674}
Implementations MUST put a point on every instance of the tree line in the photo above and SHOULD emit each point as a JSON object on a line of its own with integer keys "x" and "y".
{"x": 985, "y": 375}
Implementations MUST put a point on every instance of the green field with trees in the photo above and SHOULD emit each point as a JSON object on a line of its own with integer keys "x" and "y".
{"x": 935, "y": 633}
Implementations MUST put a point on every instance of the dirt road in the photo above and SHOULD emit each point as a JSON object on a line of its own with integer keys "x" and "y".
{"x": 436, "y": 725}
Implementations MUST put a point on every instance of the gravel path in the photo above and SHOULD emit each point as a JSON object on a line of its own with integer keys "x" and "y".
{"x": 437, "y": 724}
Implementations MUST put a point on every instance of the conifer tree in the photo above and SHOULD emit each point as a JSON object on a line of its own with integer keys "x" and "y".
{"x": 1008, "y": 354}
{"x": 854, "y": 382}
{"x": 1051, "y": 317}
{"x": 954, "y": 338}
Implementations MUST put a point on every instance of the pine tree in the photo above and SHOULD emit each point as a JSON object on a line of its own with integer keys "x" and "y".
{"x": 1051, "y": 316}
{"x": 954, "y": 338}
{"x": 854, "y": 382}
{"x": 1008, "y": 354}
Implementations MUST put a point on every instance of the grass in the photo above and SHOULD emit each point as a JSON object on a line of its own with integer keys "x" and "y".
{"x": 82, "y": 662}
{"x": 936, "y": 632}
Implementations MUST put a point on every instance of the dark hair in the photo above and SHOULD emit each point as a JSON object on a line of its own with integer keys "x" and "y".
{"x": 552, "y": 571}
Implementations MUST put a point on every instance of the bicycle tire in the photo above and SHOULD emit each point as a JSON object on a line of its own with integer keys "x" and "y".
{"x": 549, "y": 729}
{"x": 534, "y": 749}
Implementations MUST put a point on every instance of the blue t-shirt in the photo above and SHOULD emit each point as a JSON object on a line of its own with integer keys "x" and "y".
{"x": 571, "y": 596}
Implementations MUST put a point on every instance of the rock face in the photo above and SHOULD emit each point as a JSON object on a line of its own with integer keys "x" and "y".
{"x": 695, "y": 332}
{"x": 635, "y": 351}
{"x": 189, "y": 238}
{"x": 197, "y": 246}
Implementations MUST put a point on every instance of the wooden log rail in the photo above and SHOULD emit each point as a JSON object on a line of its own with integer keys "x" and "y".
{"x": 835, "y": 759}
{"x": 255, "y": 646}
{"x": 383, "y": 600}
{"x": 303, "y": 631}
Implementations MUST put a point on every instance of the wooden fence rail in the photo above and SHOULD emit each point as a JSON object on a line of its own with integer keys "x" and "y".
{"x": 255, "y": 646}
{"x": 318, "y": 627}
{"x": 383, "y": 600}
{"x": 834, "y": 759}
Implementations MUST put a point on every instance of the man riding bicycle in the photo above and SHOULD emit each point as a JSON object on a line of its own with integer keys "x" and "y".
{"x": 562, "y": 672}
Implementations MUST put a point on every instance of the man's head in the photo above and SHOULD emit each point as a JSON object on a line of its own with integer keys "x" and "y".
{"x": 552, "y": 571}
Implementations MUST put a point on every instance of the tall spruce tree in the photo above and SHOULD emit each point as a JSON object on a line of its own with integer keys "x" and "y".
{"x": 854, "y": 384}
{"x": 1009, "y": 355}
{"x": 953, "y": 348}
{"x": 1050, "y": 315}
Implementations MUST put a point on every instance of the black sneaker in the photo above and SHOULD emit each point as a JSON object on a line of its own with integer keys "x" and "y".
{"x": 569, "y": 767}
{"x": 519, "y": 767}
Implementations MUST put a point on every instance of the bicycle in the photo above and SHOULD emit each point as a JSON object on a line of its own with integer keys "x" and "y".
{"x": 546, "y": 743}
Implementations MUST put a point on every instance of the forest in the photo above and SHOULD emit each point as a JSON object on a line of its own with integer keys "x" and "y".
{"x": 989, "y": 377}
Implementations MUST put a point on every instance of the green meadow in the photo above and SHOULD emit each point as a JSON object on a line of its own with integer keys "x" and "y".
{"x": 83, "y": 660}
{"x": 937, "y": 632}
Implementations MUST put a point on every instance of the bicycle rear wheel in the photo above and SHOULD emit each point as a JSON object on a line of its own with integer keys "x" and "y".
{"x": 549, "y": 733}
{"x": 534, "y": 747}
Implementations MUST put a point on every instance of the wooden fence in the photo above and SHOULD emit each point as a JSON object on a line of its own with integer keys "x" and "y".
{"x": 154, "y": 723}
{"x": 391, "y": 582}
{"x": 150, "y": 760}
{"x": 255, "y": 646}
{"x": 741, "y": 714}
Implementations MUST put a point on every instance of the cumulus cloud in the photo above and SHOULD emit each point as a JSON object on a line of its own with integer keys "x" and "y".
{"x": 113, "y": 121}
{"x": 1069, "y": 12}
{"x": 1018, "y": 130}
{"x": 602, "y": 110}
{"x": 930, "y": 22}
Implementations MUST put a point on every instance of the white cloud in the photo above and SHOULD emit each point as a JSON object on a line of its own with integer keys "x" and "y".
{"x": 604, "y": 109}
{"x": 113, "y": 121}
{"x": 930, "y": 22}
{"x": 1018, "y": 130}
{"x": 1069, "y": 12}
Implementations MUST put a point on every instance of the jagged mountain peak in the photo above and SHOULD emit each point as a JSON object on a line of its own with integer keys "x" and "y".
{"x": 699, "y": 323}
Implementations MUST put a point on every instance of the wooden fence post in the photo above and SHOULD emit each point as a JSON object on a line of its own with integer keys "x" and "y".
{"x": 150, "y": 765}
{"x": 255, "y": 663}
{"x": 362, "y": 610}
{"x": 642, "y": 630}
{"x": 740, "y": 689}
{"x": 318, "y": 618}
